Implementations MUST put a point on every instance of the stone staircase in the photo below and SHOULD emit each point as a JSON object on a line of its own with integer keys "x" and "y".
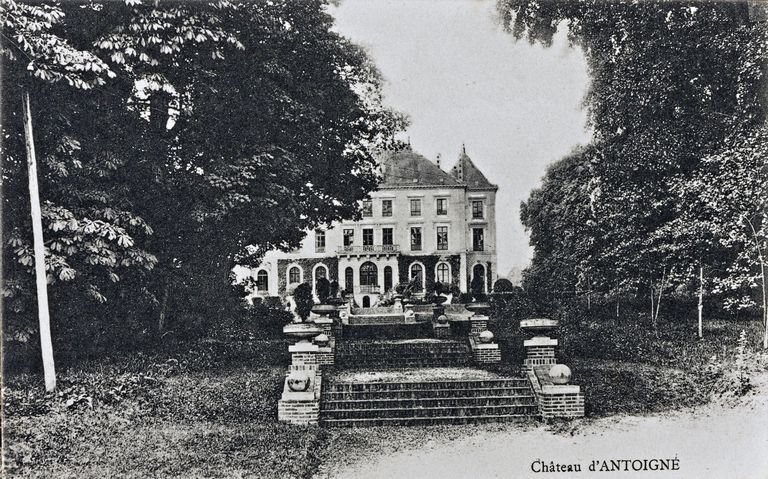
{"x": 402, "y": 353}
{"x": 427, "y": 402}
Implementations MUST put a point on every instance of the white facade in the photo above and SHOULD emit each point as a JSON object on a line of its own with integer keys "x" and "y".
{"x": 454, "y": 214}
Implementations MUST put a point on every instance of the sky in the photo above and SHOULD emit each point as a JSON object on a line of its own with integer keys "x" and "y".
{"x": 448, "y": 65}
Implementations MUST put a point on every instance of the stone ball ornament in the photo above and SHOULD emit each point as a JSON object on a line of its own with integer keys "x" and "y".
{"x": 442, "y": 319}
{"x": 560, "y": 374}
{"x": 321, "y": 339}
{"x": 298, "y": 381}
{"x": 485, "y": 337}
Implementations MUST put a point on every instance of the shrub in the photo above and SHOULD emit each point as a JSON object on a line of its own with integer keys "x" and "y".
{"x": 514, "y": 304}
{"x": 323, "y": 289}
{"x": 302, "y": 295}
{"x": 477, "y": 287}
{"x": 503, "y": 285}
{"x": 463, "y": 298}
{"x": 333, "y": 290}
{"x": 442, "y": 288}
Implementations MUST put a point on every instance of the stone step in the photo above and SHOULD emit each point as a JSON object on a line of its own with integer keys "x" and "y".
{"x": 455, "y": 384}
{"x": 359, "y": 348}
{"x": 474, "y": 411}
{"x": 428, "y": 402}
{"x": 414, "y": 352}
{"x": 425, "y": 393}
{"x": 387, "y": 331}
{"x": 405, "y": 363}
{"x": 424, "y": 421}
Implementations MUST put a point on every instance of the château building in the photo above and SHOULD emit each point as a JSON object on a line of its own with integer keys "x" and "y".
{"x": 422, "y": 222}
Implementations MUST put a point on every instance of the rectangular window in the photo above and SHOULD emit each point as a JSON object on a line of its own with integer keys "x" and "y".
{"x": 415, "y": 239}
{"x": 367, "y": 208}
{"x": 386, "y": 207}
{"x": 415, "y": 207}
{"x": 386, "y": 237}
{"x": 349, "y": 237}
{"x": 477, "y": 209}
{"x": 478, "y": 239}
{"x": 442, "y": 237}
{"x": 320, "y": 241}
{"x": 442, "y": 206}
{"x": 367, "y": 237}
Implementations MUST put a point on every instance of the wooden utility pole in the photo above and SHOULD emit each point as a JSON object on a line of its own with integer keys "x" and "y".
{"x": 46, "y": 345}
{"x": 701, "y": 300}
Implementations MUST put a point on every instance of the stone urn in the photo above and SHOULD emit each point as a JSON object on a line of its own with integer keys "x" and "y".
{"x": 486, "y": 337}
{"x": 324, "y": 309}
{"x": 298, "y": 381}
{"x": 301, "y": 331}
{"x": 442, "y": 319}
{"x": 321, "y": 340}
{"x": 560, "y": 374}
{"x": 539, "y": 326}
{"x": 478, "y": 308}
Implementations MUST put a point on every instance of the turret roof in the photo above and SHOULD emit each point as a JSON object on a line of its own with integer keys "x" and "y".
{"x": 466, "y": 172}
{"x": 408, "y": 168}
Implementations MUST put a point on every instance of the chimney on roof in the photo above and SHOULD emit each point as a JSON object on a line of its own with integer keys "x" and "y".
{"x": 438, "y": 161}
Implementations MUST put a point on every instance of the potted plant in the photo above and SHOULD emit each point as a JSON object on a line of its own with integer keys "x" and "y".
{"x": 302, "y": 297}
{"x": 479, "y": 304}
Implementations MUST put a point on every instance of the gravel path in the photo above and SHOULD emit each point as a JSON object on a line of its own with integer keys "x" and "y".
{"x": 718, "y": 441}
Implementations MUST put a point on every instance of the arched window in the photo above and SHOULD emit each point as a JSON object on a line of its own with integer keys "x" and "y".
{"x": 294, "y": 275}
{"x": 443, "y": 273}
{"x": 321, "y": 272}
{"x": 349, "y": 281}
{"x": 417, "y": 274}
{"x": 366, "y": 302}
{"x": 262, "y": 281}
{"x": 368, "y": 274}
{"x": 478, "y": 271}
{"x": 387, "y": 278}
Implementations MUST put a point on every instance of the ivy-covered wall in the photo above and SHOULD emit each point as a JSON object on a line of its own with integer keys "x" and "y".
{"x": 429, "y": 262}
{"x": 306, "y": 264}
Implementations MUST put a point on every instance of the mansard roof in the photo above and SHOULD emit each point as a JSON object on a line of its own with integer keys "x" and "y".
{"x": 466, "y": 172}
{"x": 405, "y": 167}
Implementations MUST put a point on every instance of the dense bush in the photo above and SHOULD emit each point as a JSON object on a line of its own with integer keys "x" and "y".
{"x": 333, "y": 289}
{"x": 477, "y": 288}
{"x": 302, "y": 295}
{"x": 512, "y": 305}
{"x": 323, "y": 289}
{"x": 502, "y": 285}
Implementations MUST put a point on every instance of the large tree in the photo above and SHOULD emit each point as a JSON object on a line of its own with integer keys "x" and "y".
{"x": 670, "y": 83}
{"x": 173, "y": 136}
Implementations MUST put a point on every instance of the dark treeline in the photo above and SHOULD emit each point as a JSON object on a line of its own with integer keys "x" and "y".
{"x": 173, "y": 140}
{"x": 668, "y": 200}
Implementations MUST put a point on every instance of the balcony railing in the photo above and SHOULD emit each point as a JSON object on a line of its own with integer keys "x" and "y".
{"x": 373, "y": 248}
{"x": 369, "y": 288}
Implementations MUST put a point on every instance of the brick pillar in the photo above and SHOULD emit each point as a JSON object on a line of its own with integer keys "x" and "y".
{"x": 304, "y": 353}
{"x": 477, "y": 324}
{"x": 441, "y": 331}
{"x": 540, "y": 350}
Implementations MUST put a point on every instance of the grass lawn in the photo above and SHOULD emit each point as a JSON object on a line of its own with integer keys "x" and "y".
{"x": 209, "y": 409}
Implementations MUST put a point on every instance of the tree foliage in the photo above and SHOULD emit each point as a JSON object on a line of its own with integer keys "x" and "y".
{"x": 176, "y": 139}
{"x": 674, "y": 85}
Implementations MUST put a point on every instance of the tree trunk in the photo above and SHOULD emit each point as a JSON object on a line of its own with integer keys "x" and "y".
{"x": 652, "y": 306}
{"x": 46, "y": 345}
{"x": 163, "y": 308}
{"x": 701, "y": 300}
{"x": 765, "y": 305}
{"x": 761, "y": 259}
